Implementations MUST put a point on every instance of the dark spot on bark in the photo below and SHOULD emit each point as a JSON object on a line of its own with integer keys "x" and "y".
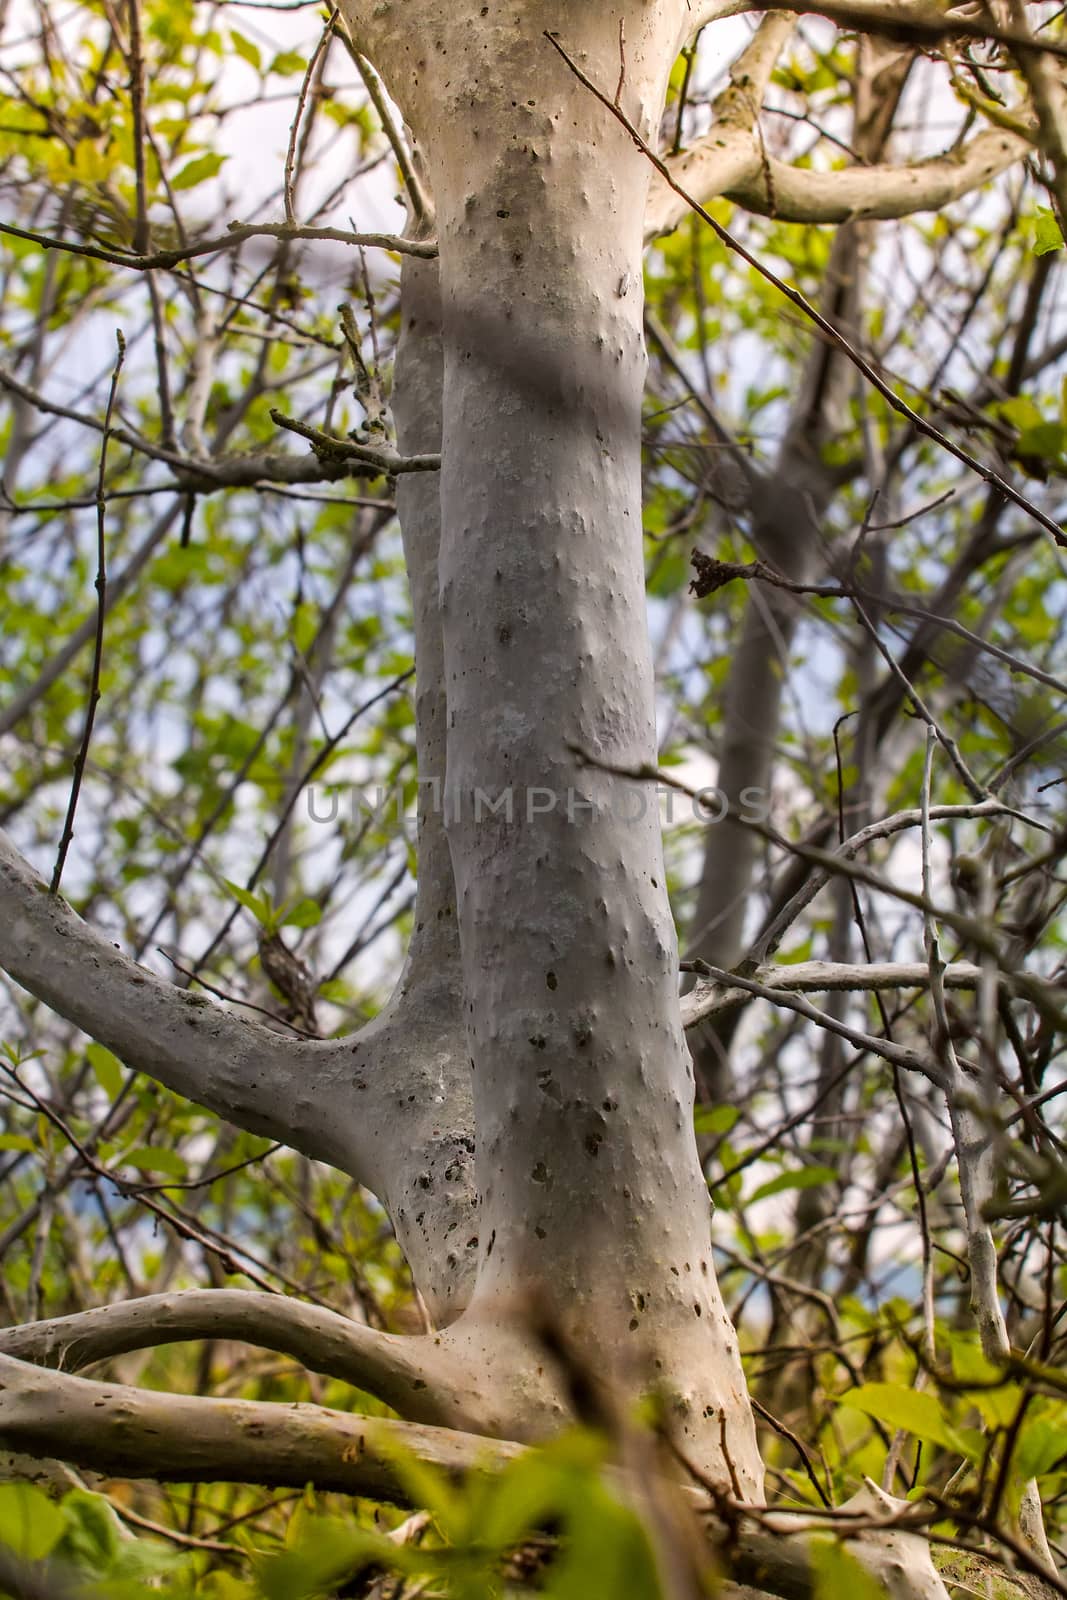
{"x": 548, "y": 1085}
{"x": 592, "y": 1143}
{"x": 418, "y": 1383}
{"x": 503, "y": 633}
{"x": 539, "y": 1231}
{"x": 424, "y": 1180}
{"x": 583, "y": 1033}
{"x": 503, "y": 213}
{"x": 611, "y": 1105}
{"x": 489, "y": 1246}
{"x": 634, "y": 1324}
{"x": 540, "y": 1173}
{"x": 538, "y": 1041}
{"x": 709, "y": 1411}
{"x": 551, "y": 980}
{"x": 472, "y": 1244}
{"x": 696, "y": 1308}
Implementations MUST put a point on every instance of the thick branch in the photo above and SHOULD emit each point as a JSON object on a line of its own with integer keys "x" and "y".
{"x": 905, "y": 21}
{"x": 234, "y": 1067}
{"x": 729, "y": 161}
{"x": 417, "y": 1377}
{"x": 796, "y": 194}
{"x": 138, "y": 1433}
{"x": 711, "y": 998}
{"x": 373, "y": 1105}
{"x": 730, "y": 152}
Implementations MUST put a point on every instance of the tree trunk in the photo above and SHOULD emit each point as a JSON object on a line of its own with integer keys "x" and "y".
{"x": 592, "y": 1204}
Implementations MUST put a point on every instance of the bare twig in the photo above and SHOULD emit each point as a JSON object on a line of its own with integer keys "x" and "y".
{"x": 101, "y": 612}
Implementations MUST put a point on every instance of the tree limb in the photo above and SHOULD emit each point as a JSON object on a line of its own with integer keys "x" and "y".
{"x": 372, "y": 1105}
{"x": 796, "y": 194}
{"x": 398, "y": 1370}
{"x": 729, "y": 161}
{"x": 711, "y": 997}
{"x": 176, "y": 1438}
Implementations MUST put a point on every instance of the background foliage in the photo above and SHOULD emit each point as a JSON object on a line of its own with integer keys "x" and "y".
{"x": 257, "y": 641}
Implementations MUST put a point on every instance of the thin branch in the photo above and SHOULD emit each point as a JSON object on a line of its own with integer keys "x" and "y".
{"x": 331, "y": 447}
{"x": 899, "y": 1055}
{"x": 235, "y": 235}
{"x": 294, "y": 132}
{"x": 101, "y": 613}
{"x": 794, "y": 296}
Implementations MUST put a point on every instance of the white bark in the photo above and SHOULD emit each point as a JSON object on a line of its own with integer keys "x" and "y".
{"x": 378, "y": 1106}
{"x": 592, "y": 1200}
{"x": 730, "y": 161}
{"x": 710, "y": 997}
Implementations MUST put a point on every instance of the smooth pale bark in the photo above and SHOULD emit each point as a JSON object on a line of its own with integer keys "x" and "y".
{"x": 592, "y": 1204}
{"x": 731, "y": 162}
{"x": 433, "y": 1199}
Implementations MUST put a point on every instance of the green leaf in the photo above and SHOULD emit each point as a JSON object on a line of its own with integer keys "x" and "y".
{"x": 715, "y": 1119}
{"x": 258, "y": 904}
{"x": 91, "y": 1539}
{"x": 148, "y": 1160}
{"x": 803, "y": 1178}
{"x": 288, "y": 62}
{"x": 107, "y": 1069}
{"x": 30, "y": 1524}
{"x": 198, "y": 170}
{"x": 305, "y": 914}
{"x": 1042, "y": 1447}
{"x": 911, "y": 1410}
{"x": 1045, "y": 440}
{"x": 324, "y": 1553}
{"x": 336, "y": 990}
{"x": 246, "y": 49}
{"x": 16, "y": 1141}
{"x": 1047, "y": 235}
